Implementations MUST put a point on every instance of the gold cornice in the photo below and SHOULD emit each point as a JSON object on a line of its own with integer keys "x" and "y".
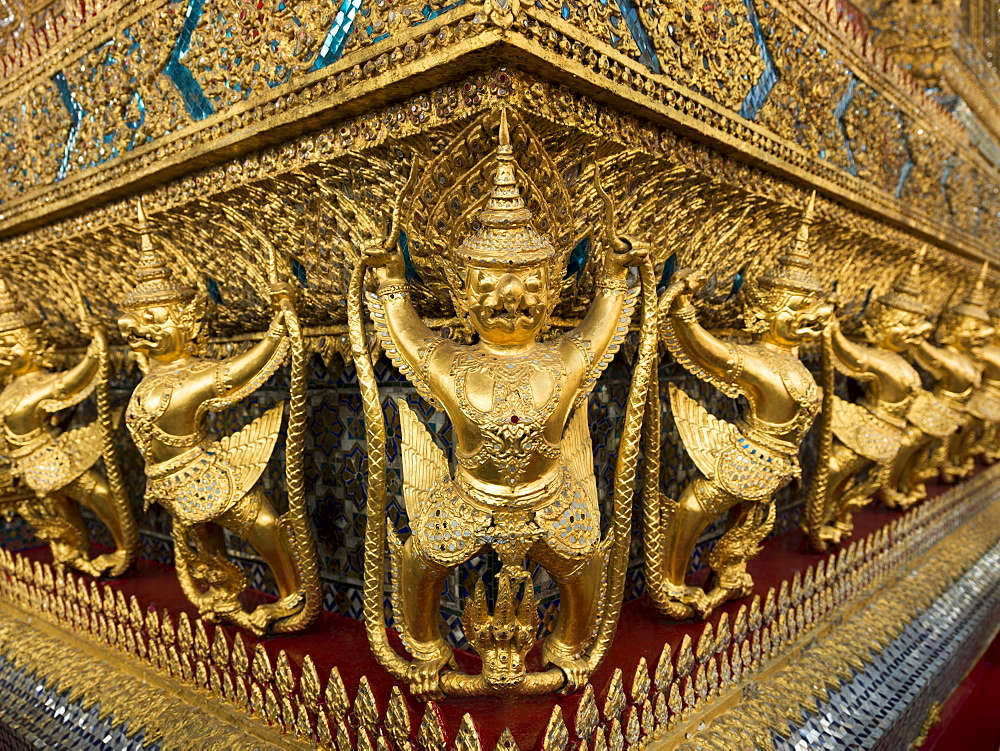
{"x": 344, "y": 89}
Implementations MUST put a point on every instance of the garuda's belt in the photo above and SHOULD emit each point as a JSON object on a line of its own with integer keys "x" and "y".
{"x": 49, "y": 462}
{"x": 208, "y": 480}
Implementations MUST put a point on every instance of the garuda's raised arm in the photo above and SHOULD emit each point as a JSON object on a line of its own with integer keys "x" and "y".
{"x": 689, "y": 343}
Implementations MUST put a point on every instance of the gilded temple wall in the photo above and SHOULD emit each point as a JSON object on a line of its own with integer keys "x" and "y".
{"x": 182, "y": 95}
{"x": 244, "y": 124}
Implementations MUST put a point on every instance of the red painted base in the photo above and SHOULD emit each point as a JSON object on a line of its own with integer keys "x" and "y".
{"x": 969, "y": 719}
{"x": 642, "y": 632}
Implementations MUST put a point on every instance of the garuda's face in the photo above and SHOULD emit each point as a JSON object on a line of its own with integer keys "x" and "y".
{"x": 970, "y": 334}
{"x": 14, "y": 355}
{"x": 899, "y": 330}
{"x": 508, "y": 307}
{"x": 797, "y": 318}
{"x": 154, "y": 331}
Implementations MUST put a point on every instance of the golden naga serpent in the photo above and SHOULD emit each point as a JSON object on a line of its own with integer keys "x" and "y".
{"x": 116, "y": 489}
{"x": 454, "y": 682}
{"x": 297, "y": 516}
{"x": 112, "y": 470}
{"x": 816, "y": 501}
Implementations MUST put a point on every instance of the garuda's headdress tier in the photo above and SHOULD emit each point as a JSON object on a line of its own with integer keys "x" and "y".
{"x": 794, "y": 269}
{"x": 906, "y": 288}
{"x": 976, "y": 300}
{"x": 154, "y": 279}
{"x": 506, "y": 238}
{"x": 13, "y": 315}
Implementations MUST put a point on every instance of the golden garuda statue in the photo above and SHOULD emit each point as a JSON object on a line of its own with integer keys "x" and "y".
{"x": 743, "y": 464}
{"x": 859, "y": 442}
{"x": 955, "y": 365}
{"x": 524, "y": 484}
{"x": 983, "y": 407}
{"x": 199, "y": 478}
{"x": 58, "y": 466}
{"x": 989, "y": 444}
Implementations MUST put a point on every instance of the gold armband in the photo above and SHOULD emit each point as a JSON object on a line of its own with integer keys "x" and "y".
{"x": 277, "y": 330}
{"x": 686, "y": 313}
{"x": 223, "y": 381}
{"x": 391, "y": 290}
{"x": 607, "y": 282}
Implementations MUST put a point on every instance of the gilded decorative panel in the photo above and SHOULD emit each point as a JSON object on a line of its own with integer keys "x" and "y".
{"x": 148, "y": 90}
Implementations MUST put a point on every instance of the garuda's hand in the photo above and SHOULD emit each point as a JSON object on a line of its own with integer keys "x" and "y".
{"x": 631, "y": 252}
{"x": 280, "y": 292}
{"x": 687, "y": 282}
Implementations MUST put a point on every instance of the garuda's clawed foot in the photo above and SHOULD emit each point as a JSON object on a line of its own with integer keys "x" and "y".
{"x": 263, "y": 617}
{"x": 110, "y": 564}
{"x": 829, "y": 535}
{"x": 681, "y": 603}
{"x": 730, "y": 585}
{"x": 843, "y": 529}
{"x": 425, "y": 677}
{"x": 576, "y": 669}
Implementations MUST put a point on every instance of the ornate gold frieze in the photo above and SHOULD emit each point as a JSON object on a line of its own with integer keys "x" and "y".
{"x": 321, "y": 193}
{"x": 804, "y": 105}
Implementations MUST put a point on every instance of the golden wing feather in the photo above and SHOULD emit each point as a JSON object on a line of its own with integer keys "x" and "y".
{"x": 704, "y": 436}
{"x": 864, "y": 433}
{"x": 247, "y": 451}
{"x": 578, "y": 451}
{"x": 424, "y": 463}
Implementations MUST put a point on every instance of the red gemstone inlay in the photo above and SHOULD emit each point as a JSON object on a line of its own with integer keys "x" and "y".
{"x": 514, "y": 419}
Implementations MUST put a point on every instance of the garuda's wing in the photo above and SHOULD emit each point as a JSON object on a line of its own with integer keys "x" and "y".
{"x": 704, "y": 436}
{"x": 724, "y": 455}
{"x": 246, "y": 452}
{"x": 863, "y": 433}
{"x": 984, "y": 404}
{"x": 578, "y": 452}
{"x": 933, "y": 416}
{"x": 59, "y": 463}
{"x": 424, "y": 463}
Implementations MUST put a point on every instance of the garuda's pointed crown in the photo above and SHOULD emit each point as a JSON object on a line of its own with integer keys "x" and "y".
{"x": 506, "y": 238}
{"x": 976, "y": 299}
{"x": 903, "y": 295}
{"x": 794, "y": 269}
{"x": 154, "y": 279}
{"x": 13, "y": 314}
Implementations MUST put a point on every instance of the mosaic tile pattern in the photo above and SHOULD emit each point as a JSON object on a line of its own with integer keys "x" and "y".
{"x": 884, "y": 706}
{"x": 36, "y": 716}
